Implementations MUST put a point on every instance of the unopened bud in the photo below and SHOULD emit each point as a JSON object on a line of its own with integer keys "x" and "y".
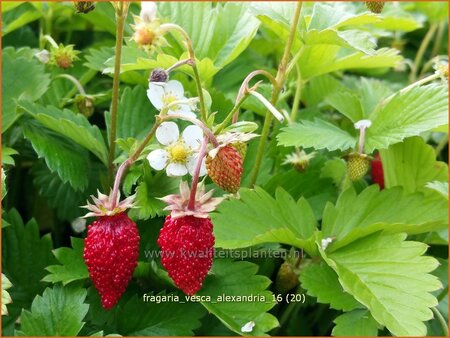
{"x": 159, "y": 75}
{"x": 85, "y": 105}
{"x": 84, "y": 6}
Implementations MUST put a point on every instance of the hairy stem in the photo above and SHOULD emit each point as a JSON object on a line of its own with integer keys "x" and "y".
{"x": 298, "y": 95}
{"x": 190, "y": 47}
{"x": 421, "y": 51}
{"x": 121, "y": 13}
{"x": 201, "y": 154}
{"x": 133, "y": 157}
{"x": 281, "y": 75}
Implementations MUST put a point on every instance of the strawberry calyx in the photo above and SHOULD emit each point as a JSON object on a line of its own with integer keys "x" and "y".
{"x": 105, "y": 206}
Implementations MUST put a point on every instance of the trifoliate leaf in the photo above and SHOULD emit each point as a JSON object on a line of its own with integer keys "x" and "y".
{"x": 58, "y": 312}
{"x": 321, "y": 282}
{"x": 392, "y": 210}
{"x": 72, "y": 264}
{"x": 317, "y": 134}
{"x": 279, "y": 220}
{"x": 412, "y": 164}
{"x": 355, "y": 323}
{"x": 391, "y": 278}
{"x": 226, "y": 279}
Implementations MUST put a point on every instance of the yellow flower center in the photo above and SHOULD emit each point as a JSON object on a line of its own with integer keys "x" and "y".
{"x": 178, "y": 153}
{"x": 168, "y": 99}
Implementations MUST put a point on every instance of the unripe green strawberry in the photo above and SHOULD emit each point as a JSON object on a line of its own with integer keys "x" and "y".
{"x": 357, "y": 165}
{"x": 241, "y": 147}
{"x": 375, "y": 6}
{"x": 225, "y": 169}
{"x": 287, "y": 278}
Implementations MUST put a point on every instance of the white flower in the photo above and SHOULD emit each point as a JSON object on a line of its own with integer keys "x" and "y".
{"x": 363, "y": 124}
{"x": 248, "y": 327}
{"x": 148, "y": 11}
{"x": 168, "y": 95}
{"x": 179, "y": 155}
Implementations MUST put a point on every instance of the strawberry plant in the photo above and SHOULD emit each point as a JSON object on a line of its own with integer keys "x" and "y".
{"x": 230, "y": 168}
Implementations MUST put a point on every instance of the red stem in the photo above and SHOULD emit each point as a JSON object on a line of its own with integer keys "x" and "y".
{"x": 201, "y": 154}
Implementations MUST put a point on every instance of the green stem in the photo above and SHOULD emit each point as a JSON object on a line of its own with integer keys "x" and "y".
{"x": 281, "y": 74}
{"x": 421, "y": 51}
{"x": 50, "y": 40}
{"x": 297, "y": 97}
{"x": 121, "y": 13}
{"x": 193, "y": 63}
{"x": 77, "y": 83}
{"x": 230, "y": 115}
{"x": 133, "y": 157}
{"x": 441, "y": 145}
{"x": 441, "y": 320}
{"x": 84, "y": 79}
{"x": 435, "y": 50}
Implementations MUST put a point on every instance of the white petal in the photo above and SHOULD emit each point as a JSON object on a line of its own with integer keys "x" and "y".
{"x": 148, "y": 11}
{"x": 193, "y": 136}
{"x": 248, "y": 327}
{"x": 363, "y": 124}
{"x": 182, "y": 112}
{"x": 167, "y": 133}
{"x": 175, "y": 88}
{"x": 158, "y": 159}
{"x": 192, "y": 163}
{"x": 176, "y": 169}
{"x": 155, "y": 94}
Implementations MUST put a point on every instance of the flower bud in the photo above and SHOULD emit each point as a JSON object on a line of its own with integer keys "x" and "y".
{"x": 148, "y": 11}
{"x": 159, "y": 75}
{"x": 84, "y": 6}
{"x": 85, "y": 105}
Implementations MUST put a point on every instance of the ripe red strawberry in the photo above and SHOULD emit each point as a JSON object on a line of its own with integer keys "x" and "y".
{"x": 225, "y": 169}
{"x": 187, "y": 245}
{"x": 111, "y": 251}
{"x": 377, "y": 171}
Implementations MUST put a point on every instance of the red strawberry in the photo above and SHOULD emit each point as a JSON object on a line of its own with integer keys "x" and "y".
{"x": 225, "y": 169}
{"x": 111, "y": 251}
{"x": 377, "y": 171}
{"x": 187, "y": 245}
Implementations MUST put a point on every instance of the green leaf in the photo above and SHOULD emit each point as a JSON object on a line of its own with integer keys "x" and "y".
{"x": 18, "y": 16}
{"x": 136, "y": 113}
{"x": 72, "y": 264}
{"x": 440, "y": 187}
{"x": 331, "y": 60}
{"x": 24, "y": 257}
{"x": 258, "y": 218}
{"x": 226, "y": 279}
{"x": 391, "y": 278}
{"x": 6, "y": 155}
{"x": 318, "y": 134}
{"x": 321, "y": 282}
{"x": 392, "y": 210}
{"x": 68, "y": 160}
{"x": 355, "y": 323}
{"x": 234, "y": 30}
{"x": 22, "y": 78}
{"x": 73, "y": 126}
{"x": 412, "y": 164}
{"x": 61, "y": 196}
{"x": 347, "y": 103}
{"x": 149, "y": 190}
{"x": 58, "y": 312}
{"x": 407, "y": 114}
